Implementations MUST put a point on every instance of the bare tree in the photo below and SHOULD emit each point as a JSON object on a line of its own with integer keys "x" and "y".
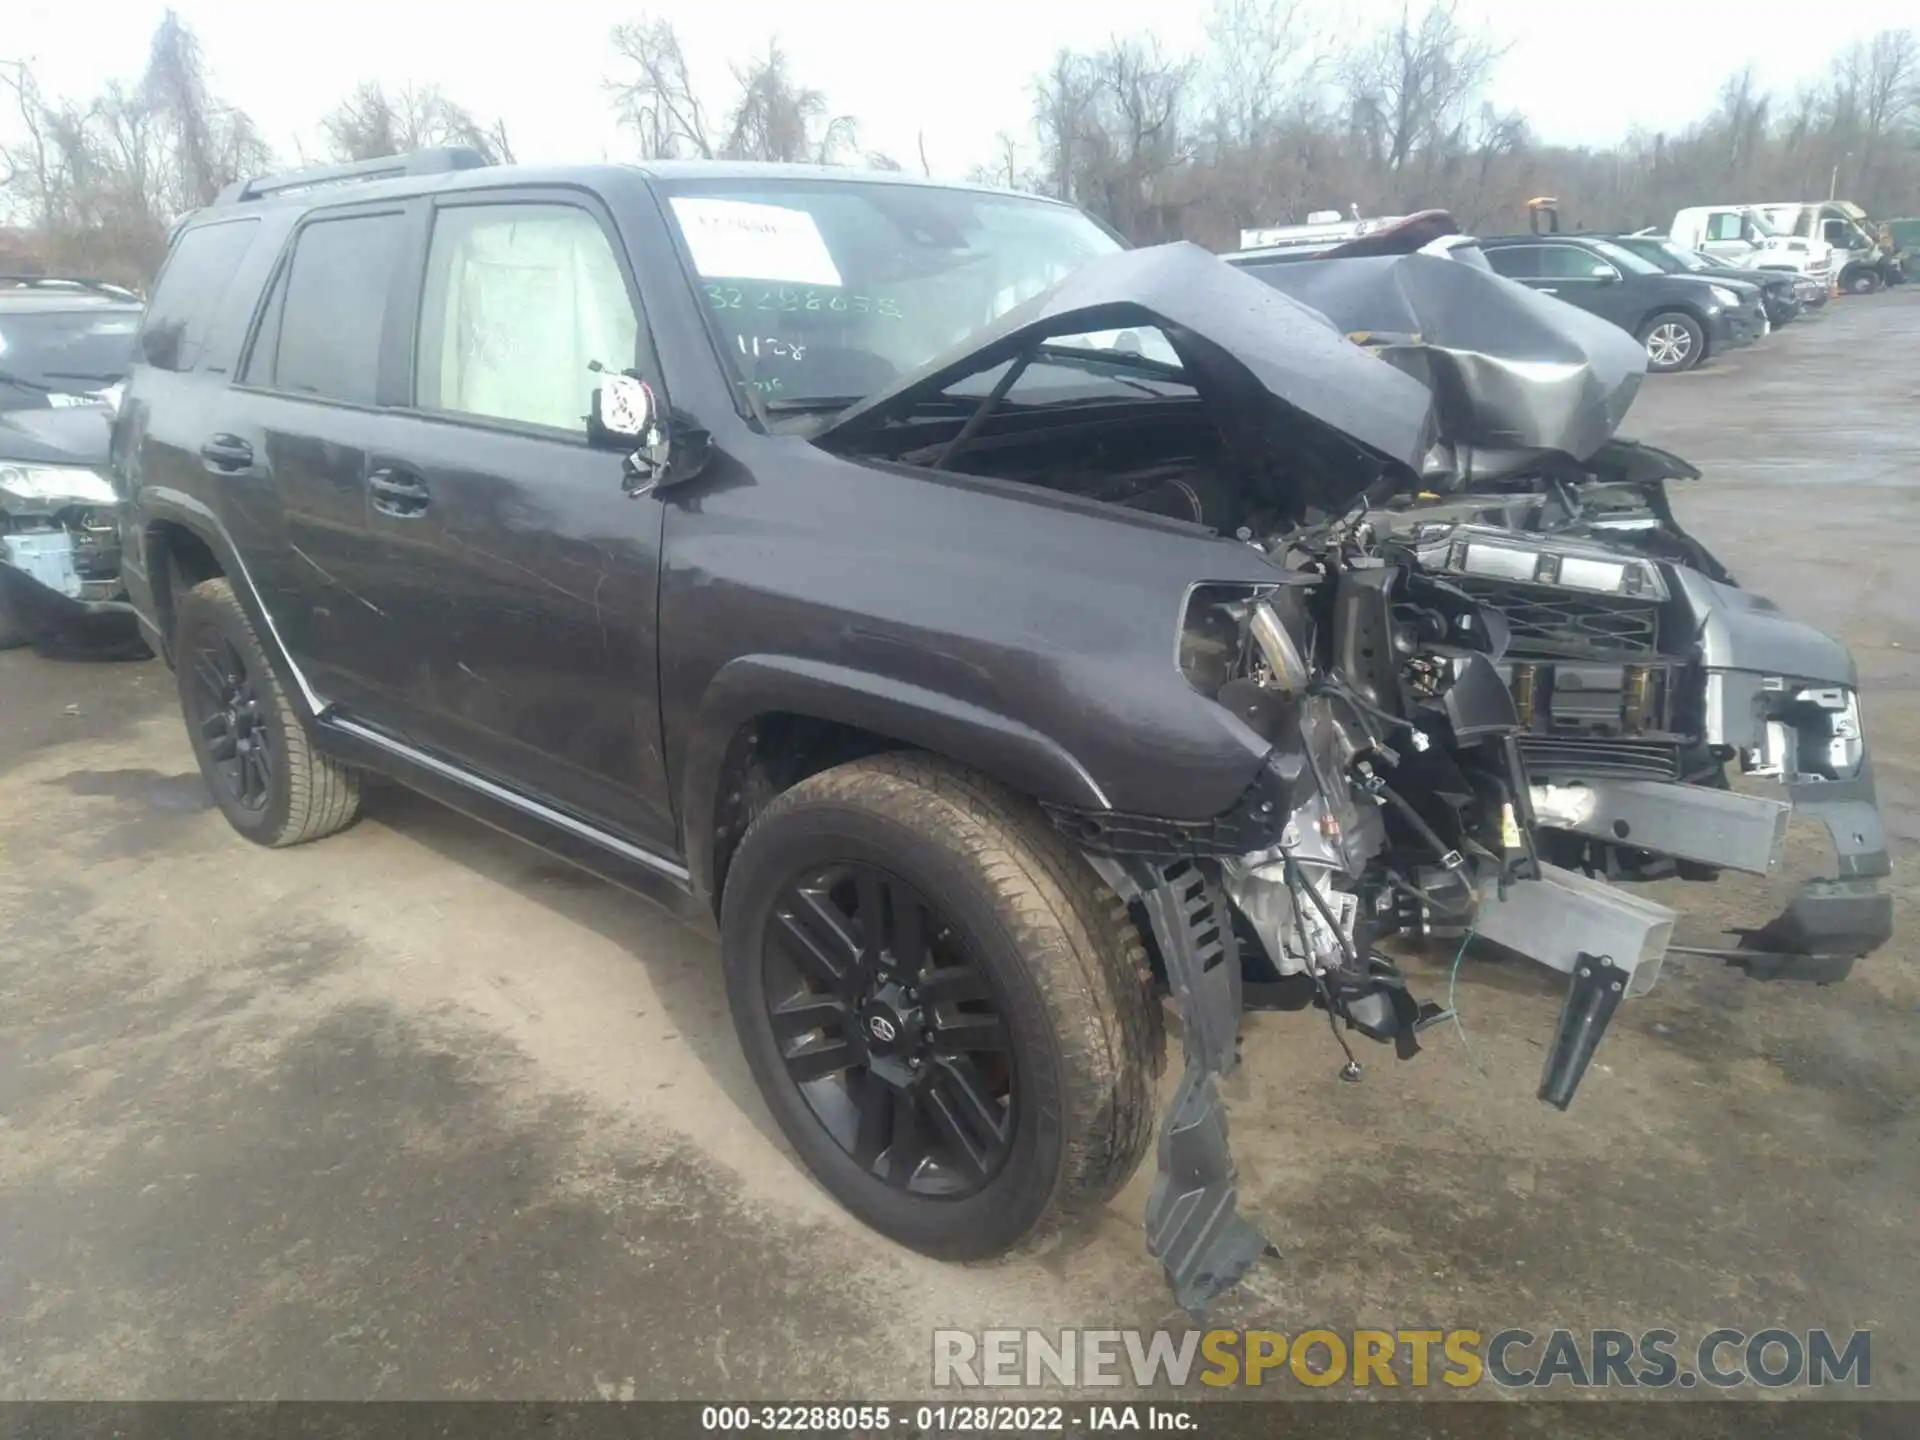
{"x": 372, "y": 122}
{"x": 778, "y": 119}
{"x": 1410, "y": 84}
{"x": 658, "y": 100}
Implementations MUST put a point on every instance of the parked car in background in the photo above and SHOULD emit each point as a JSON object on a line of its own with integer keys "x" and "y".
{"x": 65, "y": 347}
{"x": 1679, "y": 319}
{"x": 1860, "y": 265}
{"x": 1779, "y": 290}
{"x": 1739, "y": 235}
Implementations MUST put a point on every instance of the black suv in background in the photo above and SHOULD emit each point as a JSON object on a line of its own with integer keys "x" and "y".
{"x": 65, "y": 346}
{"x": 1682, "y": 321}
{"x": 1779, "y": 290}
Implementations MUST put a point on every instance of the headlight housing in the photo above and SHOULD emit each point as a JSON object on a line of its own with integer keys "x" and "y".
{"x": 1478, "y": 554}
{"x": 1728, "y": 298}
{"x": 52, "y": 487}
{"x": 1230, "y": 630}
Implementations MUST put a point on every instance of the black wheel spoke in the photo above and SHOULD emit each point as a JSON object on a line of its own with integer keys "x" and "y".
{"x": 222, "y": 747}
{"x": 873, "y": 919}
{"x": 212, "y": 676}
{"x": 214, "y": 727}
{"x": 908, "y": 942}
{"x": 818, "y": 939}
{"x": 820, "y": 1058}
{"x": 966, "y": 1031}
{"x": 909, "y": 1148}
{"x": 957, "y": 1100}
{"x": 953, "y": 983}
{"x": 803, "y": 1016}
{"x": 875, "y": 1105}
{"x": 875, "y": 1006}
{"x": 254, "y": 772}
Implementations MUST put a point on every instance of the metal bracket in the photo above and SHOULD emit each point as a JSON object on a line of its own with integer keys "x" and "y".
{"x": 1592, "y": 997}
{"x": 1193, "y": 1225}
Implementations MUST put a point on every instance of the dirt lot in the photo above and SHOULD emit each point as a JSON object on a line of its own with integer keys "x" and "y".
{"x": 417, "y": 1111}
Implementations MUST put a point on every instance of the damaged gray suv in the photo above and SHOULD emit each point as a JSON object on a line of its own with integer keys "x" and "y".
{"x": 986, "y": 625}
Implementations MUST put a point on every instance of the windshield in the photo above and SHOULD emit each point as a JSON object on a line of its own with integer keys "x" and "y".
{"x": 63, "y": 354}
{"x": 1619, "y": 254}
{"x": 1688, "y": 259}
{"x": 826, "y": 290}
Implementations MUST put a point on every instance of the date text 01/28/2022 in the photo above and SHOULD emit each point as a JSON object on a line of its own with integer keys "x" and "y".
{"x": 940, "y": 1419}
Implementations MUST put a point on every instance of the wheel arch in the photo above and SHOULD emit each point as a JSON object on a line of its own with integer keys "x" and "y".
{"x": 182, "y": 540}
{"x": 767, "y": 722}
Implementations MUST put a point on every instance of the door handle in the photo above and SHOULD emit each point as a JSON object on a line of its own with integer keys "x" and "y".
{"x": 398, "y": 493}
{"x": 226, "y": 453}
{"x": 1548, "y": 290}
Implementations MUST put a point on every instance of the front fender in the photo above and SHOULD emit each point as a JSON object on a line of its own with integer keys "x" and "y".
{"x": 751, "y": 686}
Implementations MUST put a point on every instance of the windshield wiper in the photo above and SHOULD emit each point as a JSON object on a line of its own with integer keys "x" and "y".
{"x": 809, "y": 404}
{"x": 94, "y": 376}
{"x": 1091, "y": 359}
{"x": 7, "y": 377}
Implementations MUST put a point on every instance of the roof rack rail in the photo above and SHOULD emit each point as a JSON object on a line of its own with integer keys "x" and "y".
{"x": 385, "y": 167}
{"x": 68, "y": 282}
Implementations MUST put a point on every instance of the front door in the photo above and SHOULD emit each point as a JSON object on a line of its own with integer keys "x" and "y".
{"x": 528, "y": 577}
{"x": 1581, "y": 277}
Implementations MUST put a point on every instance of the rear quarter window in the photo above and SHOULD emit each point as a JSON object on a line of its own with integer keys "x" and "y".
{"x": 186, "y": 300}
{"x": 321, "y": 334}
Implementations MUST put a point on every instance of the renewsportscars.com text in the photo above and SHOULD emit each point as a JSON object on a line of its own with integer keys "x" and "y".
{"x": 1516, "y": 1358}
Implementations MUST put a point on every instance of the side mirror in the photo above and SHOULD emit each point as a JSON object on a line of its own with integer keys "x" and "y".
{"x": 623, "y": 409}
{"x": 1605, "y": 273}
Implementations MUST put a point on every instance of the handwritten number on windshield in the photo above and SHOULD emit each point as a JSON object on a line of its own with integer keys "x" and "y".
{"x": 788, "y": 300}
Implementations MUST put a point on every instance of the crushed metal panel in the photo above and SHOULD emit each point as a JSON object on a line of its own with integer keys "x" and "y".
{"x": 1238, "y": 340}
{"x": 1510, "y": 370}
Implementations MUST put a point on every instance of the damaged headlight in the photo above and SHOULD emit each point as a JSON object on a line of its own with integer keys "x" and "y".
{"x": 46, "y": 487}
{"x": 1812, "y": 733}
{"x": 1237, "y": 631}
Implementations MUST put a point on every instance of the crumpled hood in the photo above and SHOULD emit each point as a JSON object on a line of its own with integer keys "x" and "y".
{"x": 1242, "y": 344}
{"x": 55, "y": 435}
{"x": 1512, "y": 373}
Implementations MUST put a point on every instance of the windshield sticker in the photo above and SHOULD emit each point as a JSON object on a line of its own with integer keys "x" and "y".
{"x": 749, "y": 241}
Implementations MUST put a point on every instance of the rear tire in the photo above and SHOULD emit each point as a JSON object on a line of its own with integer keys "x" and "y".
{"x": 254, "y": 753}
{"x": 991, "y": 890}
{"x": 1674, "y": 342}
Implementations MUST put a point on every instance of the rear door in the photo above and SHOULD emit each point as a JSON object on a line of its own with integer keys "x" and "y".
{"x": 301, "y": 420}
{"x": 526, "y": 576}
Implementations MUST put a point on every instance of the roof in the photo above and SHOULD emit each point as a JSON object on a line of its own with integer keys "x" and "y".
{"x": 434, "y": 172}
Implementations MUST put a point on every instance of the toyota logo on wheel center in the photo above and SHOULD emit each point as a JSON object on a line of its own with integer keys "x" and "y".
{"x": 882, "y": 1028}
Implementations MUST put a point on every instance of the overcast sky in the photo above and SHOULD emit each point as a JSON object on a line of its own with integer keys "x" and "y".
{"x": 955, "y": 72}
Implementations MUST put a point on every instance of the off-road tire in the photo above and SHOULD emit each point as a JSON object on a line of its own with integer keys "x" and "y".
{"x": 1696, "y": 341}
{"x": 309, "y": 795}
{"x": 1071, "y": 974}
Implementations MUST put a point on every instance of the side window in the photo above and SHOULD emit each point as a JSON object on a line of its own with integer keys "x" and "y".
{"x": 519, "y": 302}
{"x": 1726, "y": 225}
{"x": 1516, "y": 262}
{"x": 191, "y": 286}
{"x": 1569, "y": 262}
{"x": 321, "y": 336}
{"x": 1834, "y": 232}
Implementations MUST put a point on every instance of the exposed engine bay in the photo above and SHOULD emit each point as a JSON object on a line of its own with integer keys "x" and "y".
{"x": 1494, "y": 672}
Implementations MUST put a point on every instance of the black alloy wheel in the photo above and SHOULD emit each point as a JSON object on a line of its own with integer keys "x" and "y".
{"x": 254, "y": 753}
{"x": 226, "y": 711}
{"x": 951, "y": 1017}
{"x": 890, "y": 1031}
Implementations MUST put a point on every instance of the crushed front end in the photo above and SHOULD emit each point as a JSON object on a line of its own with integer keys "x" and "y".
{"x": 1394, "y": 800}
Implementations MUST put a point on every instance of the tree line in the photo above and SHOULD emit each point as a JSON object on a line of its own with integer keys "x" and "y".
{"x": 1278, "y": 113}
